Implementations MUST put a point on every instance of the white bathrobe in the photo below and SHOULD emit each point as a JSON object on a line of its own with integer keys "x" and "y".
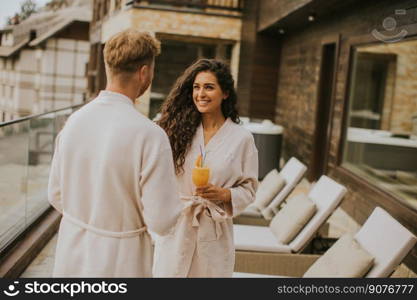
{"x": 112, "y": 177}
{"x": 201, "y": 244}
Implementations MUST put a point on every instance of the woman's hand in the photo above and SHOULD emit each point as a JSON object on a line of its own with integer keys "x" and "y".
{"x": 214, "y": 193}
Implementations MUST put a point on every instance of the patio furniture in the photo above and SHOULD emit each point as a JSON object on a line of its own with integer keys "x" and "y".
{"x": 386, "y": 240}
{"x": 382, "y": 237}
{"x": 291, "y": 173}
{"x": 325, "y": 196}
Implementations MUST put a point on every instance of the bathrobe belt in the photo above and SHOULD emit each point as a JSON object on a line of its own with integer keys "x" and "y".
{"x": 196, "y": 206}
{"x": 102, "y": 232}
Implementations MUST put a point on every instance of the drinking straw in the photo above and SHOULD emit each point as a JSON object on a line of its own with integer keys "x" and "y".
{"x": 202, "y": 157}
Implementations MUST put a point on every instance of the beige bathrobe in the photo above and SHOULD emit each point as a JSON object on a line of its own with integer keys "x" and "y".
{"x": 201, "y": 244}
{"x": 112, "y": 177}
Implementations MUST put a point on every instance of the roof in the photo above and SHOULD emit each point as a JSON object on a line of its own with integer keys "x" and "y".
{"x": 70, "y": 17}
{"x": 46, "y": 23}
{"x": 7, "y": 28}
{"x": 6, "y": 51}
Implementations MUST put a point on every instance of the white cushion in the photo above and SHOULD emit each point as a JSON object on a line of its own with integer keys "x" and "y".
{"x": 253, "y": 275}
{"x": 291, "y": 219}
{"x": 268, "y": 189}
{"x": 251, "y": 211}
{"x": 346, "y": 258}
{"x": 326, "y": 194}
{"x": 292, "y": 173}
{"x": 257, "y": 238}
{"x": 387, "y": 240}
{"x": 268, "y": 213}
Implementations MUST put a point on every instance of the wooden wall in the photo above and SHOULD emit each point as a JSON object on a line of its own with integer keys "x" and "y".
{"x": 247, "y": 52}
{"x": 258, "y": 68}
{"x": 265, "y": 76}
{"x": 299, "y": 56}
{"x": 274, "y": 10}
{"x": 77, "y": 30}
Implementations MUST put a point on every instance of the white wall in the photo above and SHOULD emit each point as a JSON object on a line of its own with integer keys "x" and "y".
{"x": 44, "y": 79}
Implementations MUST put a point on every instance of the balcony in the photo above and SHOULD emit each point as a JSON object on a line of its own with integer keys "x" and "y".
{"x": 26, "y": 147}
{"x": 202, "y": 6}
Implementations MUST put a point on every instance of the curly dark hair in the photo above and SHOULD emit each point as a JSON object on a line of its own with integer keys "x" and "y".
{"x": 179, "y": 115}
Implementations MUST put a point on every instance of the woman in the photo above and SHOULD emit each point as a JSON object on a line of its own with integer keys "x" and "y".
{"x": 198, "y": 116}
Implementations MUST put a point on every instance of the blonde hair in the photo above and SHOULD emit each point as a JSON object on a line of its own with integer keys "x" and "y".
{"x": 126, "y": 51}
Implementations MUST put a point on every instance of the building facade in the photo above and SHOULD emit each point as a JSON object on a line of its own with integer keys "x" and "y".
{"x": 188, "y": 30}
{"x": 43, "y": 61}
{"x": 339, "y": 76}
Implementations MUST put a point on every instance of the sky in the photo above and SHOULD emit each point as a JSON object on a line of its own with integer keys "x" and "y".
{"x": 9, "y": 7}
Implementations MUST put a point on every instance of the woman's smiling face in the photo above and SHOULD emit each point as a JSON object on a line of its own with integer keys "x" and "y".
{"x": 207, "y": 93}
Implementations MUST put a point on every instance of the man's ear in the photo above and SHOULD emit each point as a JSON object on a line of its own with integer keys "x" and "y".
{"x": 143, "y": 71}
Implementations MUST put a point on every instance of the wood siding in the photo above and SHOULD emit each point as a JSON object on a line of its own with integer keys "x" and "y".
{"x": 258, "y": 68}
{"x": 272, "y": 11}
{"x": 247, "y": 52}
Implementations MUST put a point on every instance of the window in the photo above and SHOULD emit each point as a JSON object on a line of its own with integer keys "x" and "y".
{"x": 381, "y": 139}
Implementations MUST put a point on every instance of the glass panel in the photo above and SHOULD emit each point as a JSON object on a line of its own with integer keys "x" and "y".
{"x": 381, "y": 144}
{"x": 41, "y": 139}
{"x": 13, "y": 175}
{"x": 26, "y": 150}
{"x": 43, "y": 131}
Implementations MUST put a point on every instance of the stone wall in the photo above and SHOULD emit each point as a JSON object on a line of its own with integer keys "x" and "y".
{"x": 299, "y": 74}
{"x": 179, "y": 23}
{"x": 299, "y": 58}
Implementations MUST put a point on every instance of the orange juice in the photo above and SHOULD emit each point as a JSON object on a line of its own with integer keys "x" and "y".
{"x": 200, "y": 176}
{"x": 198, "y": 162}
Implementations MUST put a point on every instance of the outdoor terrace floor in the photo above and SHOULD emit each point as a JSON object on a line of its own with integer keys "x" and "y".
{"x": 339, "y": 223}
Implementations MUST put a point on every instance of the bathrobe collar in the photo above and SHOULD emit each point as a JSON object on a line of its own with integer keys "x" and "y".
{"x": 113, "y": 97}
{"x": 216, "y": 139}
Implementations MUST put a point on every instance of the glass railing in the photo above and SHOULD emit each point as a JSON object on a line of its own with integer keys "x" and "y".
{"x": 26, "y": 149}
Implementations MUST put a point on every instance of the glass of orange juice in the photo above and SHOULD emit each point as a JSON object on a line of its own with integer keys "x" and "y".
{"x": 200, "y": 173}
{"x": 200, "y": 176}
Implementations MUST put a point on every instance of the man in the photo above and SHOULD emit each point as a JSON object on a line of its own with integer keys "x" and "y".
{"x": 112, "y": 175}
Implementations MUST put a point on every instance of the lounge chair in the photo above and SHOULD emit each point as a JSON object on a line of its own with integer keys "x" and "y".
{"x": 386, "y": 240}
{"x": 291, "y": 173}
{"x": 382, "y": 237}
{"x": 325, "y": 195}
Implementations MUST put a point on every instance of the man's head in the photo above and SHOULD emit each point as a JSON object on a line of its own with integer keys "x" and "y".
{"x": 129, "y": 57}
